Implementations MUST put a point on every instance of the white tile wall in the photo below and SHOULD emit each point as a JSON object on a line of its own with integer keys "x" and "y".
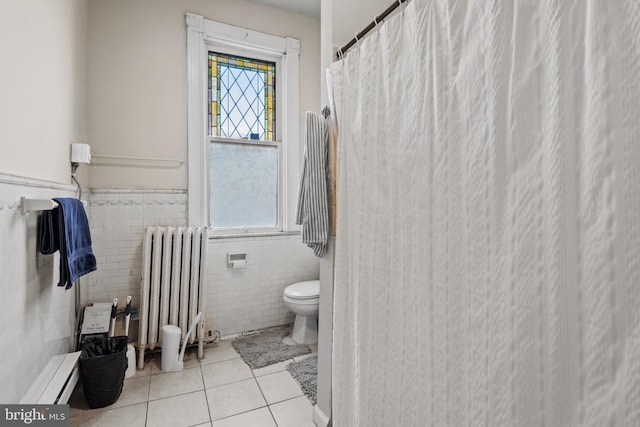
{"x": 237, "y": 300}
{"x": 37, "y": 316}
{"x": 118, "y": 221}
{"x": 241, "y": 300}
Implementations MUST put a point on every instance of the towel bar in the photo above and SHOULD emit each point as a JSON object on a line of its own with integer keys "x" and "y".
{"x": 31, "y": 205}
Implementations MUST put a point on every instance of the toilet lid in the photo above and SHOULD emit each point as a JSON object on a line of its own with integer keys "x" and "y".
{"x": 303, "y": 290}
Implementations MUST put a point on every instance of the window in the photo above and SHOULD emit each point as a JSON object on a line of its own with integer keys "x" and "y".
{"x": 243, "y": 177}
{"x": 242, "y": 97}
{"x": 243, "y": 133}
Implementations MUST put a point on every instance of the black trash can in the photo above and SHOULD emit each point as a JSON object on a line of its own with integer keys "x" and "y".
{"x": 103, "y": 363}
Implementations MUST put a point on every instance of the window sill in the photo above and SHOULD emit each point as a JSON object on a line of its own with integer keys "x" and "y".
{"x": 213, "y": 236}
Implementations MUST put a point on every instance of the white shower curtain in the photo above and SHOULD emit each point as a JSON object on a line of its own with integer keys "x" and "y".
{"x": 488, "y": 242}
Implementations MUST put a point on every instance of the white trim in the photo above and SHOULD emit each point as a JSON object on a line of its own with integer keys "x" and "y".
{"x": 320, "y": 419}
{"x": 203, "y": 34}
{"x": 243, "y": 141}
{"x": 197, "y": 157}
{"x": 229, "y": 35}
{"x": 254, "y": 236}
{"x": 33, "y": 182}
{"x": 291, "y": 155}
{"x": 135, "y": 191}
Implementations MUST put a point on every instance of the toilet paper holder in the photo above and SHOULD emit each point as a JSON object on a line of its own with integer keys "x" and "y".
{"x": 236, "y": 260}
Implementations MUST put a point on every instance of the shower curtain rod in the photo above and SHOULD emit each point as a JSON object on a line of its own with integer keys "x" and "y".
{"x": 378, "y": 19}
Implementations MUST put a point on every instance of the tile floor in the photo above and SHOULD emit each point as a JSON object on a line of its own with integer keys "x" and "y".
{"x": 218, "y": 391}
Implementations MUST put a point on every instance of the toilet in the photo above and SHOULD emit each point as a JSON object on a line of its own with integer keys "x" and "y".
{"x": 303, "y": 299}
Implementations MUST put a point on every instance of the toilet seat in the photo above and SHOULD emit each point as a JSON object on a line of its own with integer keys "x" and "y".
{"x": 303, "y": 290}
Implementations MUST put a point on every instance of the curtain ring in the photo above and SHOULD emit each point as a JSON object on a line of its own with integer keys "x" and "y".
{"x": 356, "y": 38}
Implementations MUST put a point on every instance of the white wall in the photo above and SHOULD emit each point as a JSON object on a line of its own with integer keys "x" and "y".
{"x": 118, "y": 221}
{"x": 251, "y": 298}
{"x": 43, "y": 85}
{"x": 137, "y": 79}
{"x": 42, "y": 111}
{"x": 37, "y": 316}
{"x": 350, "y": 17}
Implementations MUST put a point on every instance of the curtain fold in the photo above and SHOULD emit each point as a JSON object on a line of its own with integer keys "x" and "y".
{"x": 488, "y": 241}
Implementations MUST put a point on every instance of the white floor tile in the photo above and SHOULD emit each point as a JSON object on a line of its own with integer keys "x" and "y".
{"x": 258, "y": 418}
{"x": 75, "y": 417}
{"x": 220, "y": 387}
{"x": 142, "y": 373}
{"x": 179, "y": 411}
{"x": 219, "y": 352}
{"x": 278, "y": 387}
{"x": 175, "y": 383}
{"x": 229, "y": 371}
{"x": 232, "y": 399}
{"x": 190, "y": 361}
{"x": 134, "y": 390}
{"x": 296, "y": 412}
{"x": 271, "y": 369}
{"x": 131, "y": 416}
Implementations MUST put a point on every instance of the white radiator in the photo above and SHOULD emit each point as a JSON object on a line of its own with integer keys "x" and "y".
{"x": 174, "y": 273}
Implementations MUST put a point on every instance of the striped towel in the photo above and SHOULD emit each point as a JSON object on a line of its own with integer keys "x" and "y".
{"x": 313, "y": 211}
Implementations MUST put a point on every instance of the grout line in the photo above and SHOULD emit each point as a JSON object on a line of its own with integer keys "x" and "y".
{"x": 233, "y": 382}
{"x": 273, "y": 417}
{"x": 274, "y": 372}
{"x": 265, "y": 400}
{"x": 175, "y": 395}
{"x": 146, "y": 415}
{"x": 290, "y": 398}
{"x": 206, "y": 396}
{"x": 240, "y": 413}
{"x": 260, "y": 388}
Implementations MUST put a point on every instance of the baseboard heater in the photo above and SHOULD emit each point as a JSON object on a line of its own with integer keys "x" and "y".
{"x": 56, "y": 382}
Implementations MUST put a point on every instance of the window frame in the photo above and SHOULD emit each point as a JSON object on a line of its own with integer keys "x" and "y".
{"x": 204, "y": 35}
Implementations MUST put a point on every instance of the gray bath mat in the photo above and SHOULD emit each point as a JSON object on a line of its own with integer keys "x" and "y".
{"x": 266, "y": 348}
{"x": 305, "y": 372}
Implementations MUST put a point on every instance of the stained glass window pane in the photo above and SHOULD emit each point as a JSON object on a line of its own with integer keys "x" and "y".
{"x": 242, "y": 98}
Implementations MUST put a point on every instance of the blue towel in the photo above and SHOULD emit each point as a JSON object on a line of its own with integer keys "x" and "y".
{"x": 48, "y": 241}
{"x": 76, "y": 255}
